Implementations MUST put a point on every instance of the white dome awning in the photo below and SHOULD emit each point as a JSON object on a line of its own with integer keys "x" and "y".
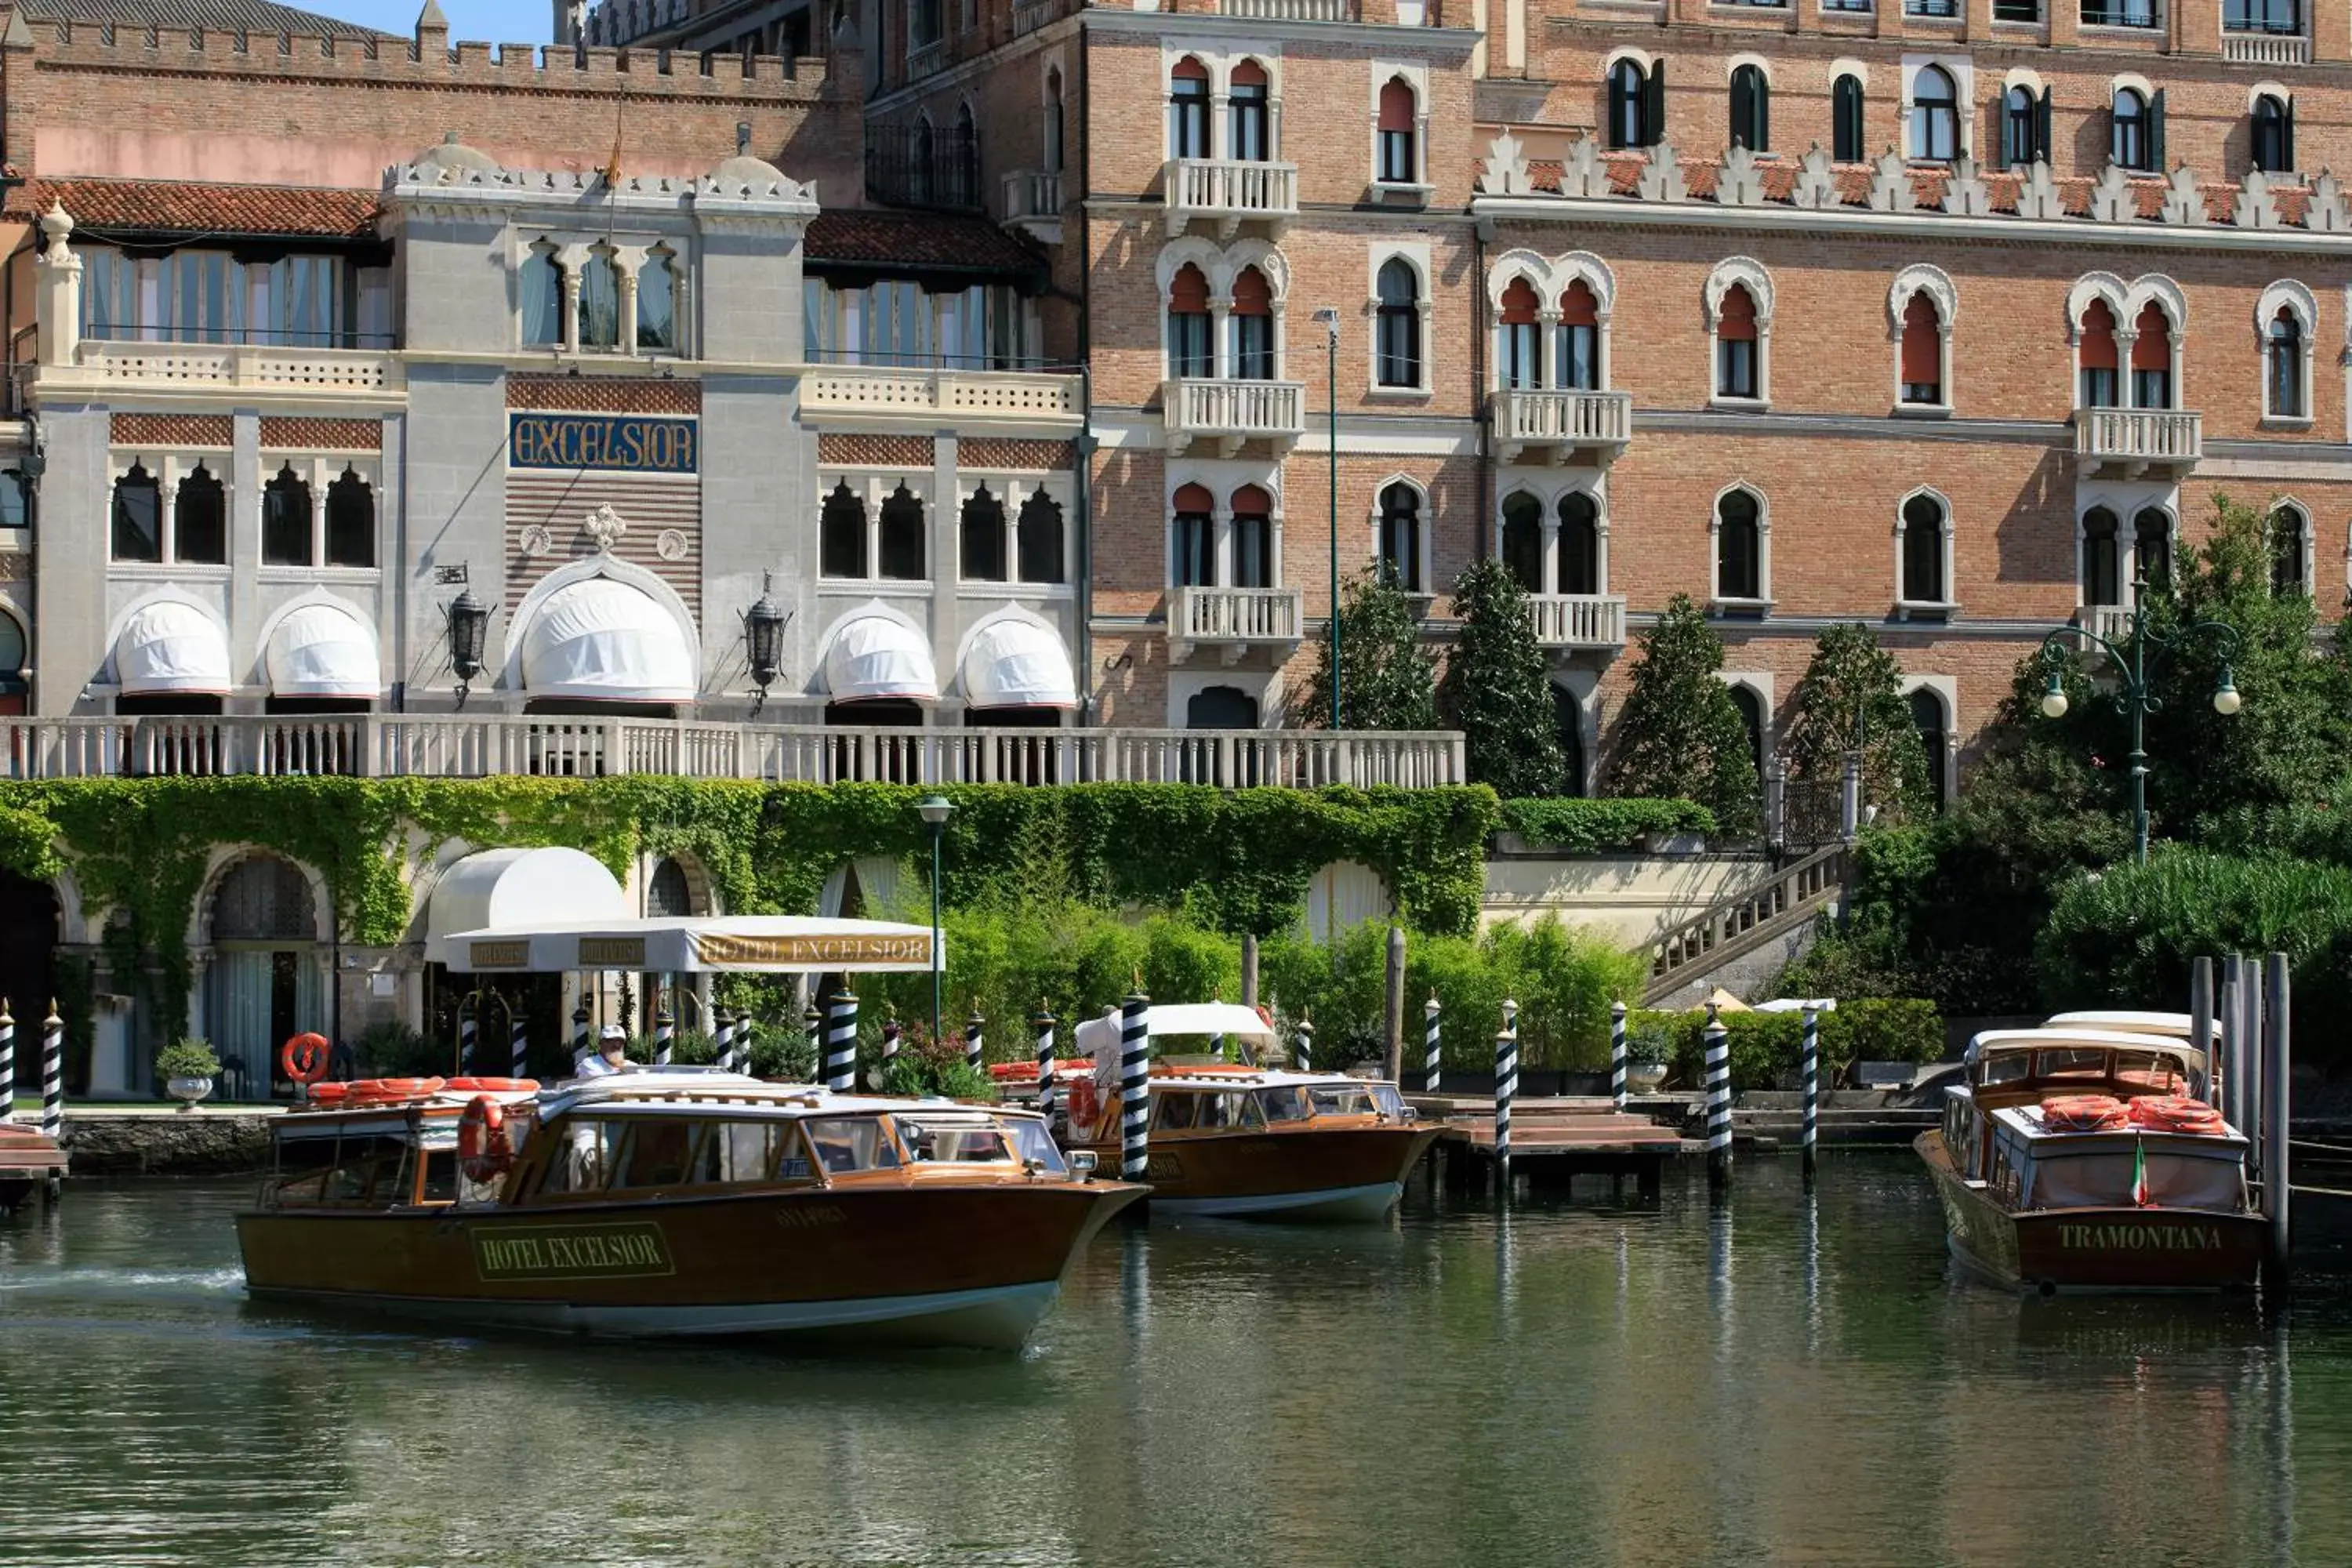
{"x": 171, "y": 646}
{"x": 1018, "y": 664}
{"x": 322, "y": 650}
{"x": 606, "y": 640}
{"x": 874, "y": 655}
{"x": 493, "y": 889}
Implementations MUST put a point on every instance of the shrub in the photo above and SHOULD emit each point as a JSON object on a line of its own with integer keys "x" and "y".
{"x": 1767, "y": 1046}
{"x": 396, "y": 1051}
{"x": 187, "y": 1059}
{"x": 1600, "y": 827}
{"x": 1680, "y": 735}
{"x": 1388, "y": 674}
{"x": 1498, "y": 688}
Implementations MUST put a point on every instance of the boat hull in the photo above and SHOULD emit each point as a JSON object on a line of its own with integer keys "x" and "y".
{"x": 1325, "y": 1174}
{"x": 2106, "y": 1248}
{"x": 914, "y": 1264}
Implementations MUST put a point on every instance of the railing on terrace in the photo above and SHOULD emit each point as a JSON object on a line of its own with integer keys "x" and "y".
{"x": 1235, "y": 410}
{"x": 1230, "y": 190}
{"x": 234, "y": 365}
{"x": 1544, "y": 417}
{"x": 2265, "y": 49}
{"x": 1578, "y": 620}
{"x": 1745, "y": 922}
{"x": 1237, "y": 614}
{"x": 2139, "y": 438}
{"x": 457, "y": 746}
{"x": 971, "y": 394}
{"x": 1030, "y": 195}
{"x": 1290, "y": 10}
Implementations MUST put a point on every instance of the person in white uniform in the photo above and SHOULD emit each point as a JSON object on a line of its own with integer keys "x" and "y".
{"x": 610, "y": 1056}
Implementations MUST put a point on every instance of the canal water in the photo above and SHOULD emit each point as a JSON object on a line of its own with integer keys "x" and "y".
{"x": 1777, "y": 1381}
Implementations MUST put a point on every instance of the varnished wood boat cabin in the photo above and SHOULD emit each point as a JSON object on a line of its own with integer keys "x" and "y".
{"x": 2076, "y": 1158}
{"x": 680, "y": 1202}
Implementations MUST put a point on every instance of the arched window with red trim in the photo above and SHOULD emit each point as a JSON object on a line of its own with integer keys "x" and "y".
{"x": 1248, "y": 120}
{"x": 1580, "y": 338}
{"x": 1195, "y": 537}
{"x": 1191, "y": 354}
{"x": 1253, "y": 318}
{"x": 1735, "y": 346}
{"x": 1399, "y": 161}
{"x": 2095, "y": 352}
{"x": 1253, "y": 538}
{"x": 1188, "y": 109}
{"x": 1519, "y": 356}
{"x": 2151, "y": 358}
{"x": 1923, "y": 351}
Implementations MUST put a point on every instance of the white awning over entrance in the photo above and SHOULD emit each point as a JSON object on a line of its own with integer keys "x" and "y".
{"x": 1018, "y": 664}
{"x": 606, "y": 640}
{"x": 875, "y": 656}
{"x": 695, "y": 944}
{"x": 1203, "y": 1018}
{"x": 322, "y": 650}
{"x": 170, "y": 646}
{"x": 499, "y": 888}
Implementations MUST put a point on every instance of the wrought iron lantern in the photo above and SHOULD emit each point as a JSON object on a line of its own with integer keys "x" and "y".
{"x": 763, "y": 639}
{"x": 469, "y": 629}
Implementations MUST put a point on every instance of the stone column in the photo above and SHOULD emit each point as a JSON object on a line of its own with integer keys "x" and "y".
{"x": 58, "y": 291}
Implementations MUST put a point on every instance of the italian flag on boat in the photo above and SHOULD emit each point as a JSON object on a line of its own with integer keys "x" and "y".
{"x": 2140, "y": 1198}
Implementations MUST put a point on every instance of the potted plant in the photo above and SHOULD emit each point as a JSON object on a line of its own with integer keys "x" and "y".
{"x": 187, "y": 1069}
{"x": 1647, "y": 1052}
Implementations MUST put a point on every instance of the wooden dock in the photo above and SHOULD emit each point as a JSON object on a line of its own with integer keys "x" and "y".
{"x": 1553, "y": 1140}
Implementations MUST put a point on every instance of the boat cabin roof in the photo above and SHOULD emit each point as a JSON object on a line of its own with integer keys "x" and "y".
{"x": 1254, "y": 1078}
{"x": 1994, "y": 1043}
{"x": 2176, "y": 1026}
{"x": 1207, "y": 1019}
{"x": 2027, "y": 1123}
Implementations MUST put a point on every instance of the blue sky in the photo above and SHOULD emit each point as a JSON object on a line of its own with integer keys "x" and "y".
{"x": 487, "y": 21}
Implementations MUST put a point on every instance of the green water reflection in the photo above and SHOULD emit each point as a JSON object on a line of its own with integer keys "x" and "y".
{"x": 1774, "y": 1382}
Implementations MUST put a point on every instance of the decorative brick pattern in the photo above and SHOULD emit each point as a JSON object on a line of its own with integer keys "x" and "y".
{"x": 846, "y": 451}
{"x": 290, "y": 433}
{"x": 604, "y": 394}
{"x": 561, "y": 504}
{"x": 1027, "y": 456}
{"x": 161, "y": 430}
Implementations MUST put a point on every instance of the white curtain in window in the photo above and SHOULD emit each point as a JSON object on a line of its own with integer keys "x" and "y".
{"x": 310, "y": 1011}
{"x": 816, "y": 321}
{"x": 240, "y": 1012}
{"x": 600, "y": 304}
{"x": 543, "y": 297}
{"x": 657, "y": 304}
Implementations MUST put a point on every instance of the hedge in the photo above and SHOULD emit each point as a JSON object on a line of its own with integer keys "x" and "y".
{"x": 1580, "y": 827}
{"x": 1769, "y": 1046}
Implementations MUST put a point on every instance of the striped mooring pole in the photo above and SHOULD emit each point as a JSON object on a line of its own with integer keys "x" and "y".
{"x": 1303, "y": 1056}
{"x": 584, "y": 1043}
{"x": 722, "y": 1039}
{"x": 1507, "y": 1089}
{"x": 665, "y": 1036}
{"x": 518, "y": 1043}
{"x": 1617, "y": 1055}
{"x": 973, "y": 1029}
{"x": 466, "y": 1027}
{"x": 53, "y": 1074}
{"x": 1812, "y": 1077}
{"x": 745, "y": 1024}
{"x": 1432, "y": 1065}
{"x": 840, "y": 1041}
{"x": 812, "y": 1026}
{"x": 1134, "y": 1087}
{"x": 891, "y": 1030}
{"x": 1719, "y": 1101}
{"x": 7, "y": 1061}
{"x": 1042, "y": 1023}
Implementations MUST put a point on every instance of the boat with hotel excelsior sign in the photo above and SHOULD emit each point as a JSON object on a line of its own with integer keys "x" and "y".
{"x": 2073, "y": 1158}
{"x": 680, "y": 1202}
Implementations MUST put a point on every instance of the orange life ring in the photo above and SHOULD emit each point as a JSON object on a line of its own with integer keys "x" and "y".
{"x": 396, "y": 1087}
{"x": 2083, "y": 1113}
{"x": 328, "y": 1093}
{"x": 483, "y": 1151}
{"x": 2175, "y": 1113}
{"x": 492, "y": 1085}
{"x": 304, "y": 1057}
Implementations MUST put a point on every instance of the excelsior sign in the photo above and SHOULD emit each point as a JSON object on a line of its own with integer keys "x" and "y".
{"x": 630, "y": 442}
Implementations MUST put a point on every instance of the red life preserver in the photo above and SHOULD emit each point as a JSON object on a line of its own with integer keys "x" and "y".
{"x": 2175, "y": 1113}
{"x": 304, "y": 1057}
{"x": 2083, "y": 1113}
{"x": 492, "y": 1085}
{"x": 483, "y": 1151}
{"x": 396, "y": 1087}
{"x": 329, "y": 1093}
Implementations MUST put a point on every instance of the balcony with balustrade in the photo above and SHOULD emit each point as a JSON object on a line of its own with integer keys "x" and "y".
{"x": 1226, "y": 193}
{"x": 1578, "y": 622}
{"x": 468, "y": 746}
{"x": 1031, "y": 203}
{"x": 990, "y": 401}
{"x": 1230, "y": 622}
{"x": 168, "y": 375}
{"x": 2135, "y": 443}
{"x": 1233, "y": 414}
{"x": 1562, "y": 425}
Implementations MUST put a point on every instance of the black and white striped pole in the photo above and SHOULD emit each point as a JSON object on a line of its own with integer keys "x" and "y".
{"x": 1042, "y": 1022}
{"x": 1303, "y": 1056}
{"x": 1812, "y": 1084}
{"x": 1432, "y": 1065}
{"x": 466, "y": 1027}
{"x": 1507, "y": 1089}
{"x": 1134, "y": 1085}
{"x": 1718, "y": 1101}
{"x": 722, "y": 1039}
{"x": 973, "y": 1029}
{"x": 583, "y": 1043}
{"x": 665, "y": 1036}
{"x": 812, "y": 1026}
{"x": 1617, "y": 1057}
{"x": 7, "y": 1062}
{"x": 840, "y": 1041}
{"x": 745, "y": 1024}
{"x": 519, "y": 1044}
{"x": 53, "y": 1074}
{"x": 891, "y": 1031}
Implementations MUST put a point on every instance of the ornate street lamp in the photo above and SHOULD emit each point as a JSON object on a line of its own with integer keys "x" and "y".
{"x": 2134, "y": 667}
{"x": 935, "y": 810}
{"x": 469, "y": 629}
{"x": 763, "y": 640}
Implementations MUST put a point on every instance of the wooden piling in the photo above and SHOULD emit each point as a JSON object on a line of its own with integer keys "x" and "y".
{"x": 1718, "y": 1101}
{"x": 1617, "y": 1055}
{"x": 1433, "y": 1050}
{"x": 2278, "y": 1062}
{"x": 2200, "y": 1024}
{"x": 1134, "y": 1085}
{"x": 1813, "y": 1085}
{"x": 53, "y": 1074}
{"x": 1507, "y": 1088}
{"x": 665, "y": 1036}
{"x": 840, "y": 1041}
{"x": 1392, "y": 1014}
{"x": 584, "y": 1039}
{"x": 519, "y": 1044}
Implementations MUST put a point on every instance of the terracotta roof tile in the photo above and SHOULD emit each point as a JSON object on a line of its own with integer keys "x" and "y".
{"x": 261, "y": 17}
{"x": 181, "y": 208}
{"x": 880, "y": 237}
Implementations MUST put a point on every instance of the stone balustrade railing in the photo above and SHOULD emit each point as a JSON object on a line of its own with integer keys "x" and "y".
{"x": 1578, "y": 620}
{"x": 1032, "y": 194}
{"x": 2139, "y": 438}
{"x": 2265, "y": 48}
{"x": 1234, "y": 411}
{"x": 1562, "y": 417}
{"x": 209, "y": 367}
{"x": 1229, "y": 191}
{"x": 1013, "y": 396}
{"x": 1237, "y": 614}
{"x": 462, "y": 746}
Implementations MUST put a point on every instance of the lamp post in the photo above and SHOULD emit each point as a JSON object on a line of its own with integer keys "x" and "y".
{"x": 469, "y": 623}
{"x": 935, "y": 810}
{"x": 763, "y": 640}
{"x": 2133, "y": 698}
{"x": 1329, "y": 317}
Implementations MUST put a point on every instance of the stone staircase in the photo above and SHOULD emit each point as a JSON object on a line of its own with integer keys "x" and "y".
{"x": 1778, "y": 911}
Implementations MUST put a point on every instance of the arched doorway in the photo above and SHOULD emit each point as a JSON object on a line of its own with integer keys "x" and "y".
{"x": 266, "y": 982}
{"x": 1213, "y": 761}
{"x": 28, "y": 955}
{"x": 1568, "y": 718}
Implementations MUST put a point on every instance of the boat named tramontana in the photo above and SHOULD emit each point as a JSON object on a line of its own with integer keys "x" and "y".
{"x": 682, "y": 1202}
{"x": 2072, "y": 1159}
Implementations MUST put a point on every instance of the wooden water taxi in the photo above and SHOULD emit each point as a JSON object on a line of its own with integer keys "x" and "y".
{"x": 685, "y": 1202}
{"x": 28, "y": 1161}
{"x": 1243, "y": 1141}
{"x": 2072, "y": 1159}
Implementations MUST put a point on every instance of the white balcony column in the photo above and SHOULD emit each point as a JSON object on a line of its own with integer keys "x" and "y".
{"x": 1274, "y": 550}
{"x": 2127, "y": 395}
{"x": 1547, "y": 366}
{"x": 1221, "y": 339}
{"x": 167, "y": 483}
{"x": 59, "y": 309}
{"x": 1220, "y": 544}
{"x": 1601, "y": 553}
{"x": 1221, "y": 131}
{"x": 572, "y": 259}
{"x": 627, "y": 260}
{"x": 2173, "y": 377}
{"x": 318, "y": 511}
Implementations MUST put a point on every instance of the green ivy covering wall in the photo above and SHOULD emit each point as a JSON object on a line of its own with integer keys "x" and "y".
{"x": 1239, "y": 861}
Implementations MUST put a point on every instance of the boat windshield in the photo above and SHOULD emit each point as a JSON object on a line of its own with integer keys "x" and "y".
{"x": 594, "y": 1153}
{"x": 2104, "y": 1178}
{"x": 845, "y": 1144}
{"x": 1285, "y": 1102}
{"x": 959, "y": 1142}
{"x": 1341, "y": 1099}
{"x": 1388, "y": 1100}
{"x": 1035, "y": 1141}
{"x": 2075, "y": 1062}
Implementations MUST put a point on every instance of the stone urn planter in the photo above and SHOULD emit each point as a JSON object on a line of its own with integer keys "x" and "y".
{"x": 1644, "y": 1077}
{"x": 188, "y": 1090}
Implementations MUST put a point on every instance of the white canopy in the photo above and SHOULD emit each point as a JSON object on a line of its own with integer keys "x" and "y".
{"x": 874, "y": 655}
{"x": 1018, "y": 664}
{"x": 690, "y": 944}
{"x": 602, "y": 639}
{"x": 1205, "y": 1018}
{"x": 322, "y": 650}
{"x": 2179, "y": 1026}
{"x": 171, "y": 646}
{"x": 500, "y": 887}
{"x": 2051, "y": 1037}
